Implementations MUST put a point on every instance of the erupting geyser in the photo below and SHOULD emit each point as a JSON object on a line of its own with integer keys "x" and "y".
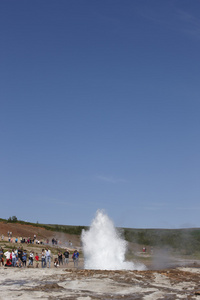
{"x": 103, "y": 248}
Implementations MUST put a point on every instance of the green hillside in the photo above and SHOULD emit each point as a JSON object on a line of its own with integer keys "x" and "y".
{"x": 186, "y": 241}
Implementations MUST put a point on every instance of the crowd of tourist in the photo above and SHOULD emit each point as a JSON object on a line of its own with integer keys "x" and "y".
{"x": 17, "y": 257}
{"x": 33, "y": 240}
{"x": 30, "y": 240}
{"x": 21, "y": 258}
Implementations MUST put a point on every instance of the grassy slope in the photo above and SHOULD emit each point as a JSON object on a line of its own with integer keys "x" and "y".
{"x": 186, "y": 241}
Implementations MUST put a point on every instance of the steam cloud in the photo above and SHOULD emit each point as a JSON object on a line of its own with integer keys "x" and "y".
{"x": 103, "y": 248}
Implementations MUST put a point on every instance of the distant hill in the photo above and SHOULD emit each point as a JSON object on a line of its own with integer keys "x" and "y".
{"x": 76, "y": 230}
{"x": 185, "y": 241}
{"x": 42, "y": 232}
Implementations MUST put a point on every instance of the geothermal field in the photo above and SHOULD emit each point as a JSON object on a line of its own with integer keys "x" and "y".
{"x": 104, "y": 273}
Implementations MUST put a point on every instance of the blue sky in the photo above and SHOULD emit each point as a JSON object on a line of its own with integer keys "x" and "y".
{"x": 99, "y": 109}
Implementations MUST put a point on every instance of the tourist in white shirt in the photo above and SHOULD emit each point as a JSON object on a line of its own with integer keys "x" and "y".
{"x": 48, "y": 257}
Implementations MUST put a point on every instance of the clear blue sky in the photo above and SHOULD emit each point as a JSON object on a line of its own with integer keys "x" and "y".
{"x": 100, "y": 108}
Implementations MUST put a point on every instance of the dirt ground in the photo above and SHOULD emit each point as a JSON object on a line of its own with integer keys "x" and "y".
{"x": 26, "y": 231}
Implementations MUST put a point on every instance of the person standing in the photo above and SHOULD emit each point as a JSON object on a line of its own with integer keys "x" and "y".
{"x": 1, "y": 257}
{"x": 8, "y": 259}
{"x": 60, "y": 258}
{"x": 24, "y": 258}
{"x": 43, "y": 259}
{"x": 75, "y": 258}
{"x": 66, "y": 256}
{"x": 20, "y": 252}
{"x": 48, "y": 257}
{"x": 31, "y": 256}
{"x": 14, "y": 257}
{"x": 37, "y": 260}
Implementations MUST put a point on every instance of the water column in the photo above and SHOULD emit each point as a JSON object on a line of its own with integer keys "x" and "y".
{"x": 103, "y": 247}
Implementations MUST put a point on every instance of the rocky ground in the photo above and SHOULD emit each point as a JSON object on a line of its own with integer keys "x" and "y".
{"x": 179, "y": 283}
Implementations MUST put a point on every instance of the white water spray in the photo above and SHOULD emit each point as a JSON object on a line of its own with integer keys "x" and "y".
{"x": 103, "y": 248}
